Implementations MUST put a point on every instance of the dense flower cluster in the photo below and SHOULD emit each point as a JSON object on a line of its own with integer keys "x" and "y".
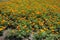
{"x": 25, "y": 17}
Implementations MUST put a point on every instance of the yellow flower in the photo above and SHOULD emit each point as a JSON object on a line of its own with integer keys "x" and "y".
{"x": 27, "y": 31}
{"x": 33, "y": 24}
{"x": 58, "y": 22}
{"x": 42, "y": 30}
{"x": 4, "y": 27}
{"x": 41, "y": 23}
{"x": 1, "y": 29}
{"x": 32, "y": 32}
{"x": 52, "y": 30}
{"x": 51, "y": 27}
{"x": 13, "y": 31}
{"x": 2, "y": 21}
{"x": 45, "y": 29}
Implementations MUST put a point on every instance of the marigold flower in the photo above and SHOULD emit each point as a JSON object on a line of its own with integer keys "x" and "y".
{"x": 28, "y": 7}
{"x": 13, "y": 31}
{"x": 33, "y": 24}
{"x": 18, "y": 27}
{"x": 1, "y": 29}
{"x": 58, "y": 22}
{"x": 32, "y": 28}
{"x": 52, "y": 30}
{"x": 42, "y": 30}
{"x": 2, "y": 21}
{"x": 45, "y": 29}
{"x": 27, "y": 31}
{"x": 41, "y": 23}
{"x": 24, "y": 26}
{"x": 32, "y": 32}
{"x": 23, "y": 11}
{"x": 38, "y": 12}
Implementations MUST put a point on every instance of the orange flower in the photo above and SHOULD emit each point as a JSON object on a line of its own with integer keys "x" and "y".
{"x": 32, "y": 32}
{"x": 32, "y": 28}
{"x": 41, "y": 23}
{"x": 44, "y": 10}
{"x": 24, "y": 26}
{"x": 2, "y": 21}
{"x": 4, "y": 27}
{"x": 38, "y": 12}
{"x": 52, "y": 30}
{"x": 28, "y": 7}
{"x": 58, "y": 22}
{"x": 13, "y": 10}
{"x": 18, "y": 27}
{"x": 47, "y": 5}
{"x": 17, "y": 5}
{"x": 55, "y": 6}
{"x": 23, "y": 11}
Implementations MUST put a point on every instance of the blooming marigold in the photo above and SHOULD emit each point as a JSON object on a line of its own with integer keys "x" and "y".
{"x": 32, "y": 32}
{"x": 42, "y": 30}
{"x": 33, "y": 24}
{"x": 23, "y": 11}
{"x": 18, "y": 27}
{"x": 27, "y": 31}
{"x": 13, "y": 31}
{"x": 24, "y": 26}
{"x": 53, "y": 30}
{"x": 1, "y": 29}
{"x": 38, "y": 12}
{"x": 41, "y": 23}
{"x": 58, "y": 22}
{"x": 4, "y": 27}
{"x": 45, "y": 29}
{"x": 32, "y": 28}
{"x": 2, "y": 21}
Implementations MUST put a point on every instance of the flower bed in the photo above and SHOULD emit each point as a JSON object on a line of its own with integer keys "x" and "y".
{"x": 25, "y": 18}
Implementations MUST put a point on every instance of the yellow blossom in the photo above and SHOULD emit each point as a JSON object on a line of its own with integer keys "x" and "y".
{"x": 42, "y": 30}
{"x": 1, "y": 29}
